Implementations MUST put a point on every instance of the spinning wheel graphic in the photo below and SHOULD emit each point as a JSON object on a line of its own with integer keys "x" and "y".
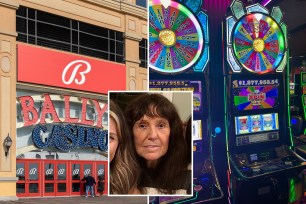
{"x": 175, "y": 37}
{"x": 258, "y": 43}
{"x": 256, "y": 40}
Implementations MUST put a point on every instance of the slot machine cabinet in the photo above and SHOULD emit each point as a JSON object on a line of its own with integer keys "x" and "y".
{"x": 178, "y": 61}
{"x": 258, "y": 139}
{"x": 298, "y": 114}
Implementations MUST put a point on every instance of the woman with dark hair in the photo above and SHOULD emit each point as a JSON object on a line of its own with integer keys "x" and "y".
{"x": 188, "y": 135}
{"x": 160, "y": 145}
{"x": 124, "y": 171}
{"x": 100, "y": 186}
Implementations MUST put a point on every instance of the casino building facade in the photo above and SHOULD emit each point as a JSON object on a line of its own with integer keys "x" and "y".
{"x": 58, "y": 59}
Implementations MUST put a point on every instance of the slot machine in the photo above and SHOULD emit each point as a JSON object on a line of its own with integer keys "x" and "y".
{"x": 261, "y": 161}
{"x": 178, "y": 61}
{"x": 298, "y": 114}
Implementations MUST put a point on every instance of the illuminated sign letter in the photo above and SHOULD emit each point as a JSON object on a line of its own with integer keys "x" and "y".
{"x": 83, "y": 117}
{"x": 29, "y": 113}
{"x": 100, "y": 112}
{"x": 67, "y": 112}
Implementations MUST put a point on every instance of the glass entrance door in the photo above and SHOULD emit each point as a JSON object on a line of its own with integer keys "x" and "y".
{"x": 28, "y": 172}
{"x": 75, "y": 174}
{"x": 79, "y": 169}
{"x": 42, "y": 177}
{"x": 101, "y": 173}
{"x": 55, "y": 178}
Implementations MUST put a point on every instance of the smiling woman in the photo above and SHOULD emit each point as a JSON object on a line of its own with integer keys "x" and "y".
{"x": 151, "y": 138}
{"x": 160, "y": 144}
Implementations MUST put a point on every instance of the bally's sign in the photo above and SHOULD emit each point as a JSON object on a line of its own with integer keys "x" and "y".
{"x": 37, "y": 65}
{"x": 71, "y": 125}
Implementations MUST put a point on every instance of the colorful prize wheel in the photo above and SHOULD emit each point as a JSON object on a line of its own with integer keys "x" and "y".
{"x": 256, "y": 41}
{"x": 176, "y": 38}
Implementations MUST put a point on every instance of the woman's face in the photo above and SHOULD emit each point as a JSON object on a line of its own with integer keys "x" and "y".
{"x": 113, "y": 139}
{"x": 151, "y": 138}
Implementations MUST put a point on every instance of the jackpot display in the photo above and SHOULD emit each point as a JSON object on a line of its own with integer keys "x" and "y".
{"x": 178, "y": 61}
{"x": 259, "y": 140}
{"x": 255, "y": 94}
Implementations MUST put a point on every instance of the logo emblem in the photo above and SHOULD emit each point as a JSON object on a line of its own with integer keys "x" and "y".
{"x": 76, "y": 65}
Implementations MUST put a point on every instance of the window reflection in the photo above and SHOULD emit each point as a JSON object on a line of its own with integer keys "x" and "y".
{"x": 49, "y": 187}
{"x": 33, "y": 171}
{"x": 33, "y": 187}
{"x": 61, "y": 187}
{"x": 49, "y": 171}
{"x": 20, "y": 171}
{"x": 75, "y": 171}
{"x": 61, "y": 171}
{"x": 20, "y": 187}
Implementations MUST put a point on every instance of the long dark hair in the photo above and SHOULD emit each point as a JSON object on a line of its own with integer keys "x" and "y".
{"x": 124, "y": 170}
{"x": 165, "y": 175}
{"x": 188, "y": 136}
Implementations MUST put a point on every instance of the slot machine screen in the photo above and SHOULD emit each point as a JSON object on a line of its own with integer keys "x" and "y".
{"x": 253, "y": 157}
{"x": 258, "y": 128}
{"x": 197, "y": 130}
{"x": 304, "y": 100}
{"x": 303, "y": 78}
{"x": 255, "y": 94}
{"x": 292, "y": 86}
{"x": 256, "y": 123}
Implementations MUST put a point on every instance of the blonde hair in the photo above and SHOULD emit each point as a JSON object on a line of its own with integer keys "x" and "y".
{"x": 124, "y": 171}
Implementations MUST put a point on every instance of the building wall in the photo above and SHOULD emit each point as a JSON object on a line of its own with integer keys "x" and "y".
{"x": 119, "y": 15}
{"x": 8, "y": 97}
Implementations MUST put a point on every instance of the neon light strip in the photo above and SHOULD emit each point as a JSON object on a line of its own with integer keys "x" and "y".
{"x": 196, "y": 196}
{"x": 265, "y": 3}
{"x": 288, "y": 100}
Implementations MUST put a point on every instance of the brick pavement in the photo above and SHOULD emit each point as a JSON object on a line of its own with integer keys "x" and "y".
{"x": 81, "y": 200}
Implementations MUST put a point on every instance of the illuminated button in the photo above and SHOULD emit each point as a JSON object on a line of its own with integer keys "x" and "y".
{"x": 167, "y": 37}
{"x": 288, "y": 163}
{"x": 197, "y": 188}
{"x": 259, "y": 45}
{"x": 256, "y": 171}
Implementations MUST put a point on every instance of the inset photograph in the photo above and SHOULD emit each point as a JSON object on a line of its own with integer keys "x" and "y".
{"x": 150, "y": 143}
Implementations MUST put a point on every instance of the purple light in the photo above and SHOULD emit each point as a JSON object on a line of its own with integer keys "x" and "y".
{"x": 265, "y": 2}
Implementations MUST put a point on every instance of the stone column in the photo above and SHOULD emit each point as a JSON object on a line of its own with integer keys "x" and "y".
{"x": 135, "y": 31}
{"x": 8, "y": 63}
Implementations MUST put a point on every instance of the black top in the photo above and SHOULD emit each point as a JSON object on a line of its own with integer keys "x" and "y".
{"x": 89, "y": 180}
{"x": 100, "y": 185}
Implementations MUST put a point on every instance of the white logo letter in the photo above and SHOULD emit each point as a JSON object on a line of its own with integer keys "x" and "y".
{"x": 33, "y": 171}
{"x": 76, "y": 172}
{"x": 61, "y": 171}
{"x": 101, "y": 171}
{"x": 49, "y": 171}
{"x": 86, "y": 171}
{"x": 19, "y": 171}
{"x": 74, "y": 72}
